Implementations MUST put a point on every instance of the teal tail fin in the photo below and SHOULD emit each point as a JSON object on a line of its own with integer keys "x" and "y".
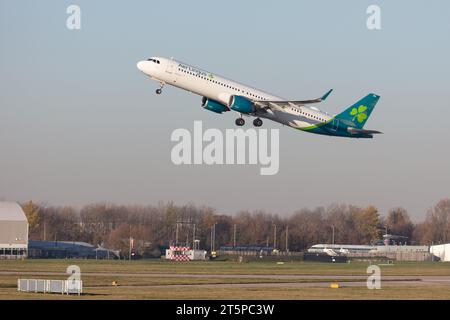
{"x": 357, "y": 115}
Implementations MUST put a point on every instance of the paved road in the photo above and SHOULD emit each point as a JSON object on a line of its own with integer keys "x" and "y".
{"x": 359, "y": 280}
{"x": 286, "y": 284}
{"x": 445, "y": 278}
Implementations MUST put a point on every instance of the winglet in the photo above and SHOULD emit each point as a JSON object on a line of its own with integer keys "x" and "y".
{"x": 326, "y": 95}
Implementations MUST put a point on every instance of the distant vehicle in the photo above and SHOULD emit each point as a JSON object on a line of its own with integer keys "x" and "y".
{"x": 330, "y": 252}
{"x": 222, "y": 95}
{"x": 333, "y": 249}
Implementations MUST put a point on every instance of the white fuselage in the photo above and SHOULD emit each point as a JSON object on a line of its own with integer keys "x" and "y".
{"x": 218, "y": 88}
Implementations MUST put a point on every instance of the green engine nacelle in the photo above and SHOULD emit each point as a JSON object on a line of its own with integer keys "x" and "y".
{"x": 213, "y": 105}
{"x": 241, "y": 104}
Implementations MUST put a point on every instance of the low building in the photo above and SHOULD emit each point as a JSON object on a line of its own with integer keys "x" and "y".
{"x": 441, "y": 251}
{"x": 67, "y": 250}
{"x": 250, "y": 250}
{"x": 179, "y": 253}
{"x": 13, "y": 231}
{"x": 401, "y": 248}
{"x": 397, "y": 252}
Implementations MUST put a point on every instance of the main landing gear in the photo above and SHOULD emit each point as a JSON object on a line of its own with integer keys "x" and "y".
{"x": 257, "y": 122}
{"x": 159, "y": 90}
{"x": 240, "y": 122}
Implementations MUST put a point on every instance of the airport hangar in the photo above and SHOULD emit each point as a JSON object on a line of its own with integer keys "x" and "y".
{"x": 14, "y": 243}
{"x": 13, "y": 231}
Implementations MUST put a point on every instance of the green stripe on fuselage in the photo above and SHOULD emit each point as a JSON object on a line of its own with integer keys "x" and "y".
{"x": 326, "y": 128}
{"x": 315, "y": 126}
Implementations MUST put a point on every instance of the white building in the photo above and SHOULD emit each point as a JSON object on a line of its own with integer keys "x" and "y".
{"x": 442, "y": 251}
{"x": 13, "y": 231}
{"x": 179, "y": 253}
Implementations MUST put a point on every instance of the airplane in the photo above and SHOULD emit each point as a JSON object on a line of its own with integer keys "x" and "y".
{"x": 220, "y": 94}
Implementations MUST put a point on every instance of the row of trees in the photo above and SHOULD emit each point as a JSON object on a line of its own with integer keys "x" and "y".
{"x": 153, "y": 226}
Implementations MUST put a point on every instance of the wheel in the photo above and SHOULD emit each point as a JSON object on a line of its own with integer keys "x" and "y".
{"x": 158, "y": 91}
{"x": 257, "y": 122}
{"x": 240, "y": 122}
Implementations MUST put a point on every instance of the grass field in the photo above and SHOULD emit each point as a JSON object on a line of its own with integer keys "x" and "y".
{"x": 228, "y": 280}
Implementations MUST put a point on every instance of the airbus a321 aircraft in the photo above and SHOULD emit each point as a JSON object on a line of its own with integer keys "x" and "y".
{"x": 222, "y": 95}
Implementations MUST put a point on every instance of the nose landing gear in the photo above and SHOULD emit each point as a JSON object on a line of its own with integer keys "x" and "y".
{"x": 159, "y": 90}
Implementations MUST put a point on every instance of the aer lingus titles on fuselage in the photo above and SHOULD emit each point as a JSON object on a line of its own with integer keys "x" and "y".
{"x": 222, "y": 95}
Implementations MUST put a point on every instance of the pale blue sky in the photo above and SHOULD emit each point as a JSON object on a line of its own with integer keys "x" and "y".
{"x": 79, "y": 123}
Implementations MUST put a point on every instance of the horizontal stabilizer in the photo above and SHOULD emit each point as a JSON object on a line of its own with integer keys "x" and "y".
{"x": 359, "y": 131}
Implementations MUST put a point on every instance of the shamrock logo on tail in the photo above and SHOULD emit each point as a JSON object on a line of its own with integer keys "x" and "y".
{"x": 359, "y": 113}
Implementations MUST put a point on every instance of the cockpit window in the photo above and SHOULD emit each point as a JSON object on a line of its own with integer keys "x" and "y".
{"x": 153, "y": 60}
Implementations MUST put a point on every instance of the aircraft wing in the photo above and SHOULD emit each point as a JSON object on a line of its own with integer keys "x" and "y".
{"x": 280, "y": 105}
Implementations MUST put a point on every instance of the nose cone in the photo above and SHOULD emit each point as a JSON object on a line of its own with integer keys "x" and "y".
{"x": 141, "y": 65}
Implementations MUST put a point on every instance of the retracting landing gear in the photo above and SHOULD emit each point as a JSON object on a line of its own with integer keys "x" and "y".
{"x": 159, "y": 90}
{"x": 257, "y": 122}
{"x": 240, "y": 122}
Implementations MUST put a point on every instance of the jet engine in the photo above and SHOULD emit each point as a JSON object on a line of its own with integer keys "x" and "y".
{"x": 241, "y": 104}
{"x": 213, "y": 105}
